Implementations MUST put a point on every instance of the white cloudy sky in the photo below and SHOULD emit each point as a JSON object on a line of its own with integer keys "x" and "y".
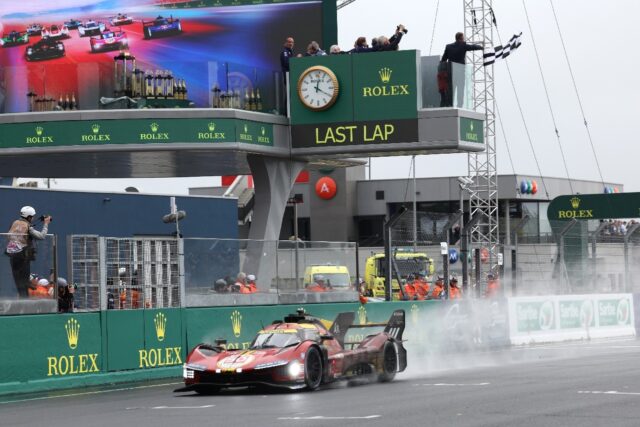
{"x": 602, "y": 49}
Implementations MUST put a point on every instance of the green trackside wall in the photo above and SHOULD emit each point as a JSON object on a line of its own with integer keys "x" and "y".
{"x": 56, "y": 351}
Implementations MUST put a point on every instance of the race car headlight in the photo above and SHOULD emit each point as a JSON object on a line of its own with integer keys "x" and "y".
{"x": 188, "y": 369}
{"x": 271, "y": 364}
{"x": 295, "y": 369}
{"x": 187, "y": 373}
{"x": 60, "y": 47}
{"x": 29, "y": 51}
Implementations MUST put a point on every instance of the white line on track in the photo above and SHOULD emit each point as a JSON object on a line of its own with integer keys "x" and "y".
{"x": 86, "y": 393}
{"x": 450, "y": 385}
{"x": 320, "y": 417}
{"x": 183, "y": 407}
{"x": 627, "y": 393}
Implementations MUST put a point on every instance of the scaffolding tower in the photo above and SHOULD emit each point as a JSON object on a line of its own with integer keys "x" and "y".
{"x": 483, "y": 192}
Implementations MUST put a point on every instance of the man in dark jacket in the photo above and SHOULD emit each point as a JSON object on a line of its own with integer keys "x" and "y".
{"x": 457, "y": 52}
{"x": 287, "y": 52}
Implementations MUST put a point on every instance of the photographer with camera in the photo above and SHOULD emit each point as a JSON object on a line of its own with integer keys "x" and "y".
{"x": 386, "y": 44}
{"x": 21, "y": 247}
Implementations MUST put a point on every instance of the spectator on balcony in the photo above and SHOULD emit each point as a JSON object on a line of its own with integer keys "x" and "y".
{"x": 286, "y": 54}
{"x": 385, "y": 43}
{"x": 361, "y": 46}
{"x": 313, "y": 49}
{"x": 335, "y": 50}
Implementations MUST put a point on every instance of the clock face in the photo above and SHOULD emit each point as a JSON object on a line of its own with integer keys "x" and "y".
{"x": 318, "y": 88}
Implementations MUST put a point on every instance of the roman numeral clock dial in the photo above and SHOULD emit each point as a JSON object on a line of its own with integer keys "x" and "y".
{"x": 318, "y": 88}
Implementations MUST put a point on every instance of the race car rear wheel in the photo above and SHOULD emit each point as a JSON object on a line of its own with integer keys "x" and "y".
{"x": 389, "y": 362}
{"x": 313, "y": 368}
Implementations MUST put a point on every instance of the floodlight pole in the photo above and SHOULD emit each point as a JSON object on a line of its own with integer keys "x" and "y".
{"x": 563, "y": 233}
{"x": 514, "y": 252}
{"x": 415, "y": 213}
{"x": 464, "y": 250}
{"x": 627, "y": 235}
{"x": 388, "y": 226}
{"x": 594, "y": 247}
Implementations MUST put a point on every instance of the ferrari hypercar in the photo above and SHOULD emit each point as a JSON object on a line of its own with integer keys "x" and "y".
{"x": 300, "y": 353}
{"x": 56, "y": 32}
{"x": 14, "y": 38}
{"x": 46, "y": 48}
{"x": 91, "y": 28}
{"x": 109, "y": 40}
{"x": 34, "y": 29}
{"x": 121, "y": 19}
{"x": 72, "y": 24}
{"x": 161, "y": 27}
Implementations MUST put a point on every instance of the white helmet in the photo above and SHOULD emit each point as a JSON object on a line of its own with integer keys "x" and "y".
{"x": 27, "y": 211}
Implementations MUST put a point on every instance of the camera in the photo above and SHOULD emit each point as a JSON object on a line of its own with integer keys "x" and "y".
{"x": 42, "y": 217}
{"x": 404, "y": 30}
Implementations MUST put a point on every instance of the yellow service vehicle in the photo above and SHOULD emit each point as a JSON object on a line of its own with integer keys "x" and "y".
{"x": 336, "y": 277}
{"x": 407, "y": 263}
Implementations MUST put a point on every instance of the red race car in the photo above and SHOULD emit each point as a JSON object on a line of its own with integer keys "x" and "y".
{"x": 109, "y": 40}
{"x": 299, "y": 353}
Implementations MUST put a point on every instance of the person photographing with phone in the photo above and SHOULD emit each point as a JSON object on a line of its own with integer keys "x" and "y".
{"x": 21, "y": 247}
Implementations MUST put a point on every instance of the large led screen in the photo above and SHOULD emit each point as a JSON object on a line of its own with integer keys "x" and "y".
{"x": 61, "y": 47}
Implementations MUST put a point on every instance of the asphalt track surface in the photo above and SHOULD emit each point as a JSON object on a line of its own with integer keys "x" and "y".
{"x": 571, "y": 384}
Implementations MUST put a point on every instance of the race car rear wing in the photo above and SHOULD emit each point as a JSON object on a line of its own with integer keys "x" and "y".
{"x": 394, "y": 327}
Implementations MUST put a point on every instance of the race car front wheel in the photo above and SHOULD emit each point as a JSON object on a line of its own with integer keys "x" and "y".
{"x": 389, "y": 362}
{"x": 313, "y": 368}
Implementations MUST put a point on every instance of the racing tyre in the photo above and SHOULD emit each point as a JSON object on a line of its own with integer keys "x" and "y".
{"x": 313, "y": 368}
{"x": 389, "y": 362}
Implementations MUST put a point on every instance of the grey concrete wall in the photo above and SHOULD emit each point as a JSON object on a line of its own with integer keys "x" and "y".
{"x": 333, "y": 220}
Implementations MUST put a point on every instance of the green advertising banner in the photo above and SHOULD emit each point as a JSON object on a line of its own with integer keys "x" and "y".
{"x": 614, "y": 312}
{"x": 53, "y": 346}
{"x": 385, "y": 85}
{"x": 594, "y": 206}
{"x": 141, "y": 339}
{"x": 535, "y": 316}
{"x": 163, "y": 343}
{"x": 254, "y": 133}
{"x": 133, "y": 131}
{"x": 576, "y": 314}
{"x": 125, "y": 337}
{"x": 471, "y": 130}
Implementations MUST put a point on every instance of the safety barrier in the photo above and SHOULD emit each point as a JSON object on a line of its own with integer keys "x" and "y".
{"x": 56, "y": 351}
{"x": 570, "y": 317}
